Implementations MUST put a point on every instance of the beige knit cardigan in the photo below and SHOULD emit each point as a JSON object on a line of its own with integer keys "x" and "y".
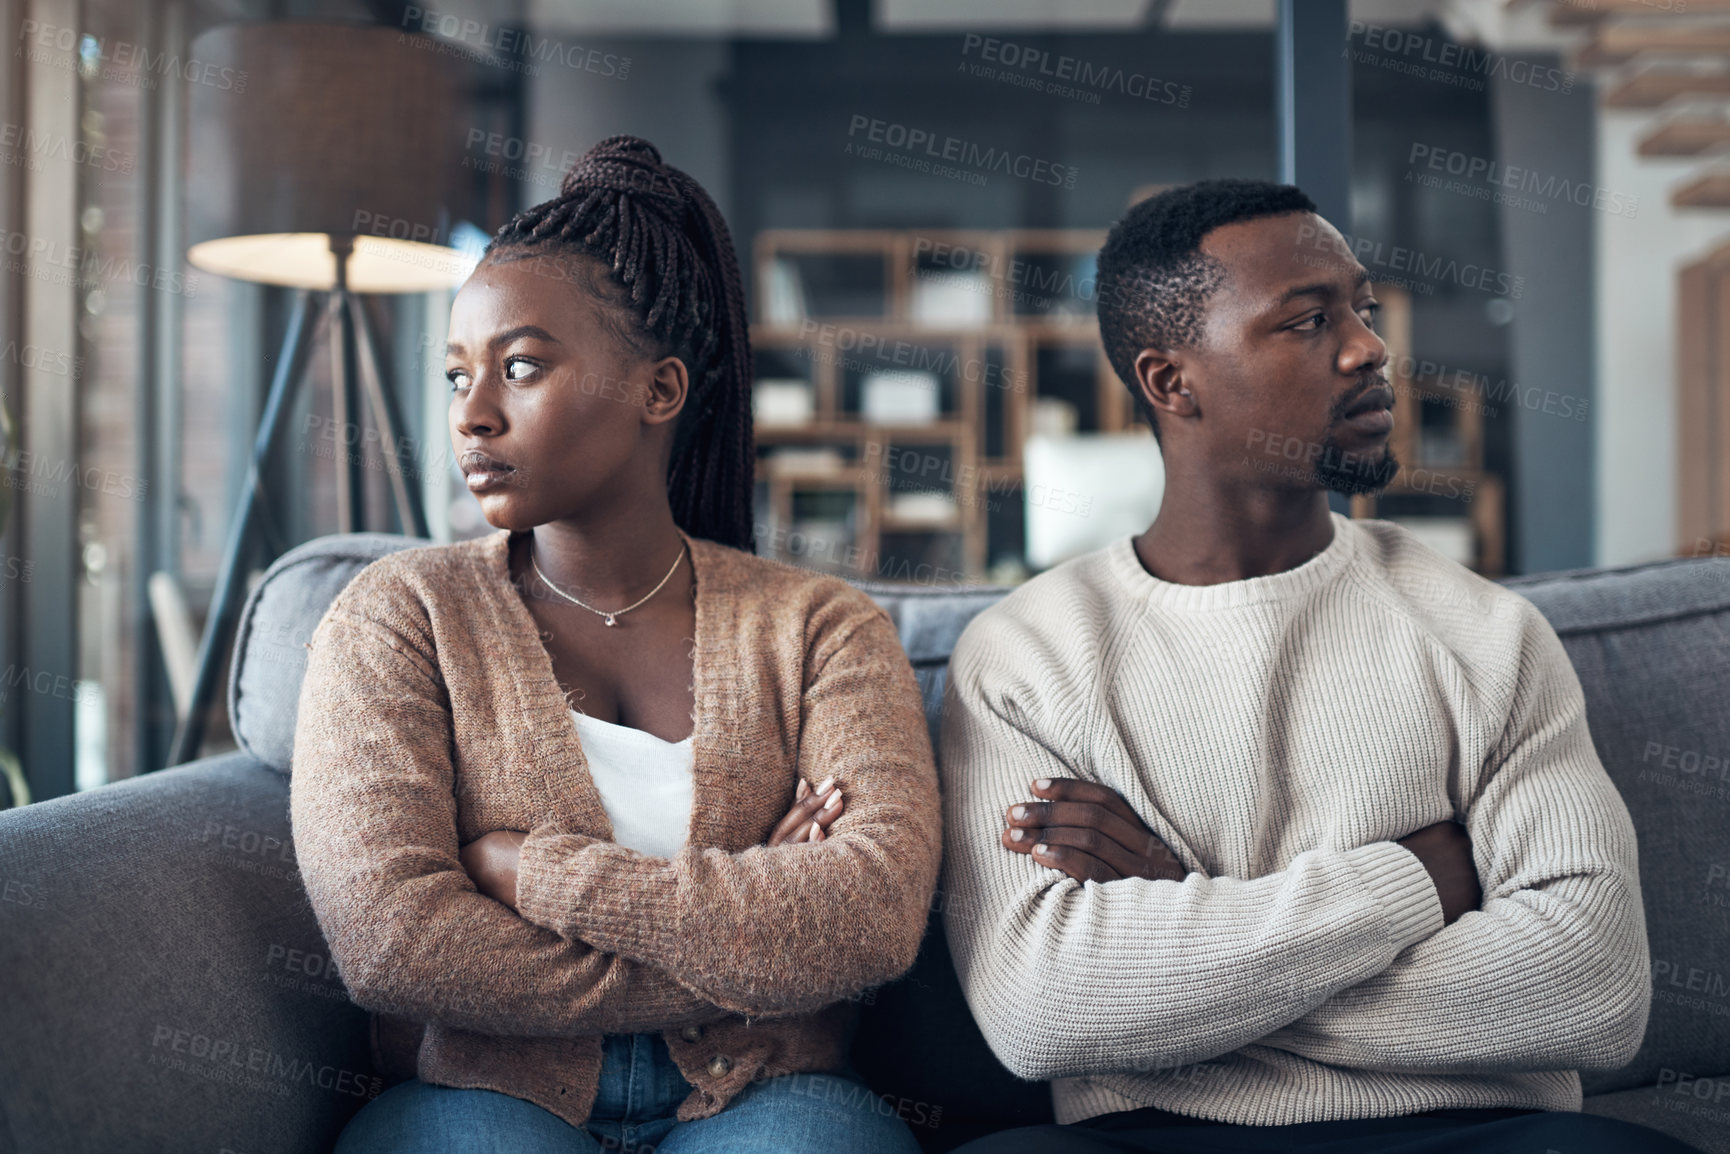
{"x": 430, "y": 715}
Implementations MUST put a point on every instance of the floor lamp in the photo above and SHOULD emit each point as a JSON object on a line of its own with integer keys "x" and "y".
{"x": 327, "y": 174}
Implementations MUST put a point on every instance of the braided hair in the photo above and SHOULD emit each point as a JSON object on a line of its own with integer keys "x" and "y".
{"x": 673, "y": 269}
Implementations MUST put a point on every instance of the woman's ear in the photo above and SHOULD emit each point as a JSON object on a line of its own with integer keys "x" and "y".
{"x": 669, "y": 387}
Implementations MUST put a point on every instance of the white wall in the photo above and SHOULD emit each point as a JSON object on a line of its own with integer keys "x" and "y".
{"x": 1637, "y": 340}
{"x": 668, "y": 98}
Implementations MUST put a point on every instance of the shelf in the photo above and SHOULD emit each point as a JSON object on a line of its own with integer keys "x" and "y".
{"x": 1686, "y": 136}
{"x": 1614, "y": 44}
{"x": 1707, "y": 190}
{"x": 780, "y": 335}
{"x": 1012, "y": 268}
{"x": 1657, "y": 87}
{"x": 1564, "y": 13}
{"x": 893, "y": 524}
{"x": 847, "y": 478}
{"x": 848, "y": 427}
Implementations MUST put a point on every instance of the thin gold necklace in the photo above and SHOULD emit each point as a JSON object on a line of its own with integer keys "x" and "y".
{"x": 612, "y": 617}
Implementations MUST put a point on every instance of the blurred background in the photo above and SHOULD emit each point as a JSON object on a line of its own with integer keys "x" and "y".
{"x": 917, "y": 189}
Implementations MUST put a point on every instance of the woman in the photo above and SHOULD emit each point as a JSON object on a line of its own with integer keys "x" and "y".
{"x": 570, "y": 794}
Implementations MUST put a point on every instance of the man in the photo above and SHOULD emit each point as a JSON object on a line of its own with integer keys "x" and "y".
{"x": 1266, "y": 828}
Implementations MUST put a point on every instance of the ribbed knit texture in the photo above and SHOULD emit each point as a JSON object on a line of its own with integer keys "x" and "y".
{"x": 430, "y": 715}
{"x": 1279, "y": 733}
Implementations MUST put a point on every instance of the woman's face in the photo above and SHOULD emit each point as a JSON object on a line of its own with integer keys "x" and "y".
{"x": 540, "y": 384}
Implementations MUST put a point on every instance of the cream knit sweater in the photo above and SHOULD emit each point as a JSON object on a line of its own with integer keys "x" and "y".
{"x": 1279, "y": 733}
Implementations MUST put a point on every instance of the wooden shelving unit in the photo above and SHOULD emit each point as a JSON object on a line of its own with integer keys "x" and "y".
{"x": 1703, "y": 403}
{"x": 1031, "y": 332}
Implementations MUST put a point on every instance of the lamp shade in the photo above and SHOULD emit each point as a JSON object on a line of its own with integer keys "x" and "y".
{"x": 299, "y": 134}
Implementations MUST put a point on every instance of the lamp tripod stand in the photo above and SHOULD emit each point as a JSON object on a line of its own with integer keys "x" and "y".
{"x": 354, "y": 360}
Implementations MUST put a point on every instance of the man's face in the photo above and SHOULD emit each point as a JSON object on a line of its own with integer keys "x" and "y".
{"x": 1289, "y": 373}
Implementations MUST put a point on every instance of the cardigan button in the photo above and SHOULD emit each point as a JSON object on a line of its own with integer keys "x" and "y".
{"x": 719, "y": 1065}
{"x": 691, "y": 1033}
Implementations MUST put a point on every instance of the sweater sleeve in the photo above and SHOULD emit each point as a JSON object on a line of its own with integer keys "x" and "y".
{"x": 779, "y": 930}
{"x": 1067, "y": 978}
{"x": 373, "y": 810}
{"x": 1551, "y": 972}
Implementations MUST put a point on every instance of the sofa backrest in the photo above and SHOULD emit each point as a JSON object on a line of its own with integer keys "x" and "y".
{"x": 1651, "y": 645}
{"x": 286, "y": 605}
{"x": 275, "y": 625}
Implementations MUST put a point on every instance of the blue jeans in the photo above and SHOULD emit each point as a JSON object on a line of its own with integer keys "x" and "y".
{"x": 640, "y": 1089}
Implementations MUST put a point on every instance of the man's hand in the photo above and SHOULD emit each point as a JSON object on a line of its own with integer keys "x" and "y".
{"x": 1089, "y": 832}
{"x": 491, "y": 861}
{"x": 1446, "y": 851}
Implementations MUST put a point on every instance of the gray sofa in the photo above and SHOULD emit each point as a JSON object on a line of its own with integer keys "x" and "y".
{"x": 166, "y": 988}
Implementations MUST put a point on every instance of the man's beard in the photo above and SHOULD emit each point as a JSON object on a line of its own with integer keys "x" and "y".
{"x": 1354, "y": 472}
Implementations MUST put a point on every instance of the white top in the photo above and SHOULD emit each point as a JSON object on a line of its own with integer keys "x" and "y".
{"x": 1280, "y": 734}
{"x": 644, "y": 783}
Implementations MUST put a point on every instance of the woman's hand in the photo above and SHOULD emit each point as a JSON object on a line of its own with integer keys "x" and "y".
{"x": 812, "y": 813}
{"x": 1089, "y": 832}
{"x": 491, "y": 860}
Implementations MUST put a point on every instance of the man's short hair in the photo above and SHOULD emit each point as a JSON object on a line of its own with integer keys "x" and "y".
{"x": 1154, "y": 280}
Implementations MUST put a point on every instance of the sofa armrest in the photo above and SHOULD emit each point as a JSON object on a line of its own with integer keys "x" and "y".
{"x": 166, "y": 984}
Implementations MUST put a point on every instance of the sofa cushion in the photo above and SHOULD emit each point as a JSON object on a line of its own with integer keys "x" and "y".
{"x": 918, "y": 1045}
{"x": 930, "y": 620}
{"x": 1651, "y": 645}
{"x": 167, "y": 987}
{"x": 276, "y": 624}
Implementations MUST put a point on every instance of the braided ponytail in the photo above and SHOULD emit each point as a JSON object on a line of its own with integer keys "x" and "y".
{"x": 665, "y": 244}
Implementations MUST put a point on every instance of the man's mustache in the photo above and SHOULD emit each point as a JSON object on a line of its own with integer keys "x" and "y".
{"x": 1373, "y": 381}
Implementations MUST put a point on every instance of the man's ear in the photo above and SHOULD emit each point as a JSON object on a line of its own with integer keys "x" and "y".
{"x": 1159, "y": 377}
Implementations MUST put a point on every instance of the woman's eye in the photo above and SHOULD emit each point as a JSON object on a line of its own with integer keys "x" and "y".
{"x": 457, "y": 378}
{"x": 515, "y": 363}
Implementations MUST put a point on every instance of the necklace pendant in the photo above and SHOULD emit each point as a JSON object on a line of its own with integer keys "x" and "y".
{"x": 610, "y": 620}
